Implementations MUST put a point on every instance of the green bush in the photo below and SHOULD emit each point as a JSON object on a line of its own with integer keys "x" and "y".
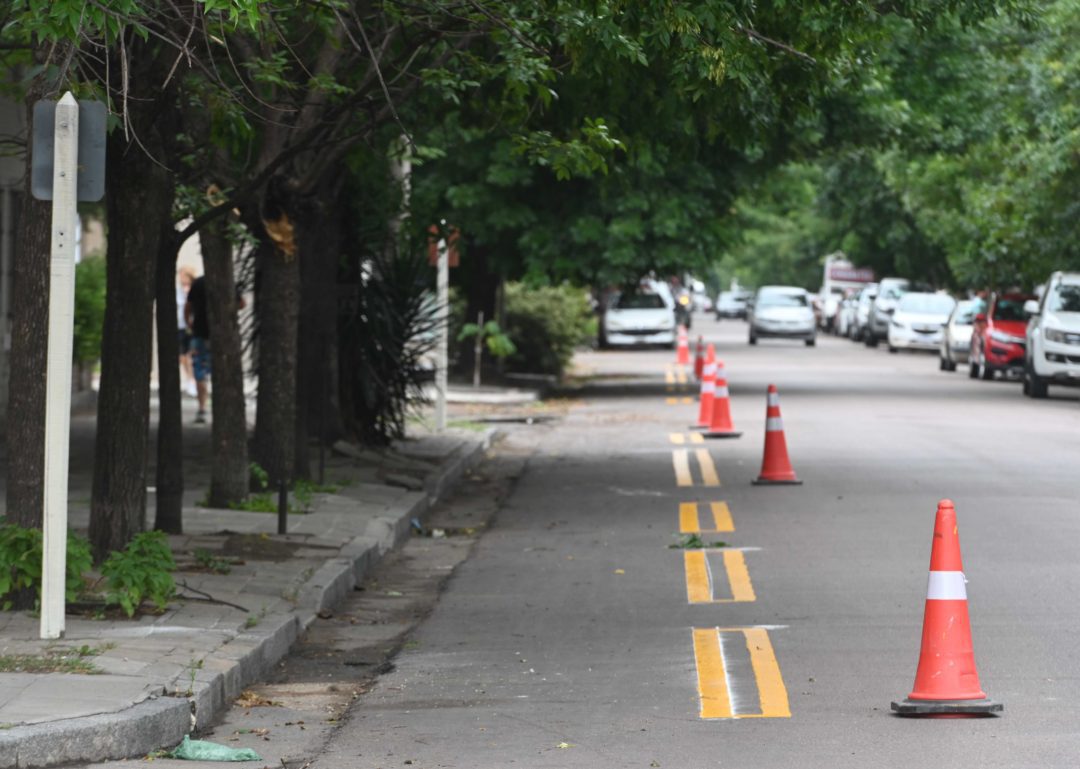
{"x": 20, "y": 562}
{"x": 547, "y": 324}
{"x": 140, "y": 572}
{"x": 89, "y": 309}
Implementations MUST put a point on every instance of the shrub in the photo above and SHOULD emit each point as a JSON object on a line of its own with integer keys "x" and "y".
{"x": 20, "y": 562}
{"x": 140, "y": 572}
{"x": 547, "y": 324}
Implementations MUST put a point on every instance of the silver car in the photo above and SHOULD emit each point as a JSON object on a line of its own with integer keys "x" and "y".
{"x": 783, "y": 311}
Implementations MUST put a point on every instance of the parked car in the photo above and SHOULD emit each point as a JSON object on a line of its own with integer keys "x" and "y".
{"x": 732, "y": 304}
{"x": 956, "y": 339}
{"x": 782, "y": 311}
{"x": 918, "y": 321}
{"x": 863, "y": 306}
{"x": 829, "y": 302}
{"x": 639, "y": 317}
{"x": 888, "y": 295}
{"x": 998, "y": 336}
{"x": 1053, "y": 336}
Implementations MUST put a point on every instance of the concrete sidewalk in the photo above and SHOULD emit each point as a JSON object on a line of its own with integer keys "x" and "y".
{"x": 157, "y": 677}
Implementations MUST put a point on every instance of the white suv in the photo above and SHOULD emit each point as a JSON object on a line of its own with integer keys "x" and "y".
{"x": 1053, "y": 336}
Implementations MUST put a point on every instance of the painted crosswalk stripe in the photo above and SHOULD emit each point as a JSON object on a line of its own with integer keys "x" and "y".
{"x": 714, "y": 650}
{"x": 690, "y": 519}
{"x": 700, "y": 585}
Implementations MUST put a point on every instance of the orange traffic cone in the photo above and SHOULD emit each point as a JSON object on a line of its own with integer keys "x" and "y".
{"x": 708, "y": 390}
{"x": 946, "y": 680}
{"x": 699, "y": 360}
{"x": 720, "y": 424}
{"x": 682, "y": 355}
{"x": 775, "y": 466}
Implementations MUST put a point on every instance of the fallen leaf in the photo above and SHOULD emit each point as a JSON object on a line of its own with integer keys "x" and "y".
{"x": 564, "y": 745}
{"x": 249, "y": 699}
{"x": 620, "y": 571}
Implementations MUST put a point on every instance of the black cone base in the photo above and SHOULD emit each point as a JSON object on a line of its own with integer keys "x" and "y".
{"x": 911, "y": 707}
{"x": 767, "y": 482}
{"x": 708, "y": 434}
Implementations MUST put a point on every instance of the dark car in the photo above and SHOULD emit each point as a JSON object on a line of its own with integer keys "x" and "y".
{"x": 998, "y": 337}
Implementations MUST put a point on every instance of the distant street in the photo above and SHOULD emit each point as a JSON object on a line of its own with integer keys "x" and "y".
{"x": 576, "y": 637}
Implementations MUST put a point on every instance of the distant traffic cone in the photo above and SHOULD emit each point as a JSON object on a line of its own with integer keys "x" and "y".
{"x": 708, "y": 390}
{"x": 946, "y": 681}
{"x": 720, "y": 424}
{"x": 775, "y": 466}
{"x": 682, "y": 355}
{"x": 699, "y": 360}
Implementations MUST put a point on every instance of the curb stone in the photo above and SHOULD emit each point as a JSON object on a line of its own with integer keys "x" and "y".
{"x": 165, "y": 717}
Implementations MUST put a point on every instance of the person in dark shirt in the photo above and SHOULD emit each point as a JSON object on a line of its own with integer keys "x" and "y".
{"x": 199, "y": 324}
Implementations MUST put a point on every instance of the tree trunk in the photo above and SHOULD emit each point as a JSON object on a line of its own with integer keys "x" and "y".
{"x": 138, "y": 196}
{"x": 317, "y": 402}
{"x": 277, "y": 308}
{"x": 29, "y": 329}
{"x": 170, "y": 440}
{"x": 229, "y": 473}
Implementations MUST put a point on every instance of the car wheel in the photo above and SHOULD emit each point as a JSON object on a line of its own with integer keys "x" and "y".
{"x": 1034, "y": 385}
{"x": 893, "y": 350}
{"x": 871, "y": 340}
{"x": 811, "y": 342}
{"x": 752, "y": 339}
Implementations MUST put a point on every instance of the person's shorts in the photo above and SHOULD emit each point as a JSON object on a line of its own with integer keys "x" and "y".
{"x": 200, "y": 358}
{"x": 183, "y": 336}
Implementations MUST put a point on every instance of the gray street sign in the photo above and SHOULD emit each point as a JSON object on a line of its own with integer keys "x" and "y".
{"x": 91, "y": 150}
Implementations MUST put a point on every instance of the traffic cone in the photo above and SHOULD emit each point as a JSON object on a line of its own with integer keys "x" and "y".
{"x": 720, "y": 424}
{"x": 699, "y": 360}
{"x": 682, "y": 355}
{"x": 708, "y": 390}
{"x": 946, "y": 681}
{"x": 775, "y": 466}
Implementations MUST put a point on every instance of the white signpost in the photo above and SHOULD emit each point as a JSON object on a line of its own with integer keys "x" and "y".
{"x": 58, "y": 373}
{"x": 442, "y": 356}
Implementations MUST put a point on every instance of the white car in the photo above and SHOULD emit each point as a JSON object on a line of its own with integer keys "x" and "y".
{"x": 956, "y": 340}
{"x": 782, "y": 311}
{"x": 1052, "y": 350}
{"x": 918, "y": 322}
{"x": 645, "y": 316}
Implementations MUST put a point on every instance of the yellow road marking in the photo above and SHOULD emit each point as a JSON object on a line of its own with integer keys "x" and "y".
{"x": 681, "y": 376}
{"x": 685, "y": 401}
{"x": 690, "y": 521}
{"x": 712, "y": 676}
{"x": 699, "y": 581}
{"x": 677, "y": 438}
{"x": 771, "y": 689}
{"x": 697, "y": 438}
{"x": 669, "y": 376}
{"x": 681, "y": 459}
{"x": 708, "y": 469}
{"x": 714, "y": 687}
{"x": 671, "y": 401}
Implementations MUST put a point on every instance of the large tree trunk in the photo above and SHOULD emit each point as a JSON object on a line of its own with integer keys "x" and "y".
{"x": 317, "y": 403}
{"x": 229, "y": 473}
{"x": 277, "y": 308}
{"x": 29, "y": 330}
{"x": 169, "y": 480}
{"x": 138, "y": 197}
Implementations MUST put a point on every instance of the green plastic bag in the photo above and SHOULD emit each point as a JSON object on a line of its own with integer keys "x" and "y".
{"x": 201, "y": 750}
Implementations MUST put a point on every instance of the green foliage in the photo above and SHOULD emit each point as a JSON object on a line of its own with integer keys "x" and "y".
{"x": 260, "y": 479}
{"x": 491, "y": 335}
{"x": 207, "y": 560}
{"x": 89, "y": 309}
{"x": 21, "y": 562}
{"x": 140, "y": 572}
{"x": 548, "y": 324}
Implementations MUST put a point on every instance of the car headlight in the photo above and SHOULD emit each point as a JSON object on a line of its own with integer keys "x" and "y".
{"x": 1056, "y": 335}
{"x": 1001, "y": 336}
{"x": 614, "y": 325}
{"x": 897, "y": 324}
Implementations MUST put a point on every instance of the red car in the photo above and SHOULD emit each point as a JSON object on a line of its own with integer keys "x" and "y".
{"x": 997, "y": 340}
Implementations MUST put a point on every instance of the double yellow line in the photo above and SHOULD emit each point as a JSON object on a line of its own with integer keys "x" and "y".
{"x": 681, "y": 460}
{"x": 713, "y": 683}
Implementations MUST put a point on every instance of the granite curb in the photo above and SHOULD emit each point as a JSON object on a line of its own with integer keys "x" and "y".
{"x": 165, "y": 716}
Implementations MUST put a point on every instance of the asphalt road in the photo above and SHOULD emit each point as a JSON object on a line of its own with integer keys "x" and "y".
{"x": 575, "y": 636}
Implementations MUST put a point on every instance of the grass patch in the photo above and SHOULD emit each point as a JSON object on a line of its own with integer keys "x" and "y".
{"x": 66, "y": 661}
{"x": 466, "y": 424}
{"x": 695, "y": 542}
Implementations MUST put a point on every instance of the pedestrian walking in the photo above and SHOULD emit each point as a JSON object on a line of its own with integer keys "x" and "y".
{"x": 198, "y": 323}
{"x": 184, "y": 278}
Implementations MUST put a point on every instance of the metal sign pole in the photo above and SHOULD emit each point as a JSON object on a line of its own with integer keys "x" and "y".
{"x": 443, "y": 353}
{"x": 58, "y": 372}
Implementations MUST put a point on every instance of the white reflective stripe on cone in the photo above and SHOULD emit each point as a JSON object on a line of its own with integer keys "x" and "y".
{"x": 773, "y": 399}
{"x": 709, "y": 370}
{"x": 708, "y": 387}
{"x": 720, "y": 372}
{"x": 772, "y": 424}
{"x": 947, "y": 586}
{"x": 722, "y": 392}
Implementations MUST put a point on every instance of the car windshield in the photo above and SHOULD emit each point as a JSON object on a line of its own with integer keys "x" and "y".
{"x": 965, "y": 314}
{"x": 1066, "y": 298}
{"x": 931, "y": 304}
{"x": 779, "y": 299}
{"x": 639, "y": 302}
{"x": 1009, "y": 310}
